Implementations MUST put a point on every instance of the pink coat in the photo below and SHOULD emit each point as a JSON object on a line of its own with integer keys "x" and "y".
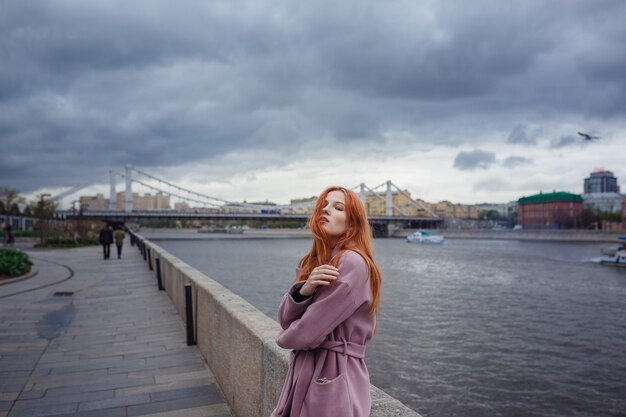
{"x": 328, "y": 332}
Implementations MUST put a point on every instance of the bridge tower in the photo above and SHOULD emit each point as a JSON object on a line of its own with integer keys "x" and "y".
{"x": 363, "y": 196}
{"x": 112, "y": 196}
{"x": 128, "y": 196}
{"x": 389, "y": 201}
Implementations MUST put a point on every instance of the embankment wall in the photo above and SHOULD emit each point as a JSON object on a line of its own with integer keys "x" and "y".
{"x": 238, "y": 341}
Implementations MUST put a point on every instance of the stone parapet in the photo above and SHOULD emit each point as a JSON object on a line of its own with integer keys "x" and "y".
{"x": 238, "y": 341}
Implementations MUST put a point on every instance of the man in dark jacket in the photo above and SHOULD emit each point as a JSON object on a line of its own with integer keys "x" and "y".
{"x": 106, "y": 238}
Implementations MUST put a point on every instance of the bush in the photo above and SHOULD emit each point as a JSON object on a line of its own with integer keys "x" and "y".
{"x": 14, "y": 262}
{"x": 67, "y": 243}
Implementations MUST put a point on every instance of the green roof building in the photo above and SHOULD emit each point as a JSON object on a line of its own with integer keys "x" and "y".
{"x": 556, "y": 210}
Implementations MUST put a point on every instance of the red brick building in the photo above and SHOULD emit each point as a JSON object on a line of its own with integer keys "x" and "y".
{"x": 558, "y": 210}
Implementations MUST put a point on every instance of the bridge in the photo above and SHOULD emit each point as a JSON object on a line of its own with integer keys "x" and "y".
{"x": 215, "y": 208}
{"x": 381, "y": 225}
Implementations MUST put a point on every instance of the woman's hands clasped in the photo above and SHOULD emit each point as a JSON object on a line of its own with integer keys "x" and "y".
{"x": 322, "y": 275}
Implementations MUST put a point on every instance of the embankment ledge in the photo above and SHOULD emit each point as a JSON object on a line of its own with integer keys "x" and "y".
{"x": 238, "y": 341}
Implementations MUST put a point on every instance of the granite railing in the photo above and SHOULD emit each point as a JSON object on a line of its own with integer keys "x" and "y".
{"x": 237, "y": 340}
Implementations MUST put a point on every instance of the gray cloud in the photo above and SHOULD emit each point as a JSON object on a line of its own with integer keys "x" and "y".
{"x": 86, "y": 86}
{"x": 492, "y": 185}
{"x": 567, "y": 141}
{"x": 477, "y": 159}
{"x": 516, "y": 161}
{"x": 519, "y": 135}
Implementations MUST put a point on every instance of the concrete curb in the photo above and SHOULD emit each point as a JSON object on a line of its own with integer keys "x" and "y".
{"x": 33, "y": 271}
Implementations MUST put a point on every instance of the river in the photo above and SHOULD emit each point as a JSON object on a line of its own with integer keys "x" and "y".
{"x": 468, "y": 328}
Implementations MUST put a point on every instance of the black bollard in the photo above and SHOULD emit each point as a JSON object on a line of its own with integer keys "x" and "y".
{"x": 158, "y": 267}
{"x": 149, "y": 259}
{"x": 189, "y": 315}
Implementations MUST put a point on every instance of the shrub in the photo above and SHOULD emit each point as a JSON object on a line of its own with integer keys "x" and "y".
{"x": 13, "y": 262}
{"x": 57, "y": 242}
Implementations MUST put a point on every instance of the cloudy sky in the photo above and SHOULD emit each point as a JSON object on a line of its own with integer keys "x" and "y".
{"x": 464, "y": 101}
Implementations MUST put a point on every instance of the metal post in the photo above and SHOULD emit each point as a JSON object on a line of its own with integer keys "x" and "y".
{"x": 112, "y": 195}
{"x": 145, "y": 252}
{"x": 389, "y": 200}
{"x": 189, "y": 315}
{"x": 158, "y": 267}
{"x": 128, "y": 194}
{"x": 149, "y": 259}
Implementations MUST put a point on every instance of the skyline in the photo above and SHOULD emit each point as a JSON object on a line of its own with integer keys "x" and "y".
{"x": 467, "y": 103}
{"x": 141, "y": 190}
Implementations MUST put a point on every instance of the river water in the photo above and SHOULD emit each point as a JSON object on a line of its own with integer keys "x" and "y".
{"x": 468, "y": 328}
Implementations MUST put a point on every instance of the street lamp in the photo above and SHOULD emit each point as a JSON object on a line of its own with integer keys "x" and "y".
{"x": 41, "y": 216}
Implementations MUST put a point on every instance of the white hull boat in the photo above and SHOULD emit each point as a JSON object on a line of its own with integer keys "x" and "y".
{"x": 615, "y": 256}
{"x": 422, "y": 236}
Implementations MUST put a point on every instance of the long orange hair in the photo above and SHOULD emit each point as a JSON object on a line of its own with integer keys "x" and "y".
{"x": 357, "y": 238}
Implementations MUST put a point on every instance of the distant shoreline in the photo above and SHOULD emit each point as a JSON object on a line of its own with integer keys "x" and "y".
{"x": 526, "y": 235}
{"x": 589, "y": 236}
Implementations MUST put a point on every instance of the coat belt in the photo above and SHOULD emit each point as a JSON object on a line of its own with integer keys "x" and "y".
{"x": 345, "y": 348}
{"x": 306, "y": 374}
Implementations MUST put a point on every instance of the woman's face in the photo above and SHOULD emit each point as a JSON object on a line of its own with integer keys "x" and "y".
{"x": 333, "y": 216}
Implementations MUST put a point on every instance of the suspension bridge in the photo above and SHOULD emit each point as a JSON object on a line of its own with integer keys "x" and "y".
{"x": 207, "y": 207}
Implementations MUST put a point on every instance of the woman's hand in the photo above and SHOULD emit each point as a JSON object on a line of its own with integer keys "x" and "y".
{"x": 322, "y": 275}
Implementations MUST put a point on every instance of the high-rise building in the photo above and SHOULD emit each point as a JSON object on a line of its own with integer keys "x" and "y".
{"x": 601, "y": 181}
{"x": 602, "y": 192}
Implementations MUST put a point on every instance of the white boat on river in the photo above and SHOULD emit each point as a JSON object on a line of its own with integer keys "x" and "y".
{"x": 422, "y": 236}
{"x": 615, "y": 256}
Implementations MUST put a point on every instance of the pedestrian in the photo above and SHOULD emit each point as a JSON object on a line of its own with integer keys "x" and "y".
{"x": 119, "y": 241}
{"x": 8, "y": 235}
{"x": 328, "y": 315}
{"x": 106, "y": 238}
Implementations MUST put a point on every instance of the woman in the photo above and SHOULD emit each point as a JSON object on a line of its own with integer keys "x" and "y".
{"x": 329, "y": 314}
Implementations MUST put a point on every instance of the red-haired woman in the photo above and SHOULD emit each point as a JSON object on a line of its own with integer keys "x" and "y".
{"x": 329, "y": 314}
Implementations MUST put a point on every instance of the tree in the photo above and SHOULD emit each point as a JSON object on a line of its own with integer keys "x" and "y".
{"x": 490, "y": 215}
{"x": 9, "y": 197}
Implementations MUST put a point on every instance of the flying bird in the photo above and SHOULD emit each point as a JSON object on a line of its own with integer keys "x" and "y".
{"x": 587, "y": 136}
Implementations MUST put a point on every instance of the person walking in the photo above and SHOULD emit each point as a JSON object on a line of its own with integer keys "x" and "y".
{"x": 119, "y": 240}
{"x": 106, "y": 238}
{"x": 8, "y": 235}
{"x": 328, "y": 315}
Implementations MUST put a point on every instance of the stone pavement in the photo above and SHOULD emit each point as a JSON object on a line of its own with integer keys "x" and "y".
{"x": 90, "y": 337}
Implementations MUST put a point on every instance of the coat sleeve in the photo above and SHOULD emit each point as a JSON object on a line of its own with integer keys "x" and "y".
{"x": 330, "y": 306}
{"x": 289, "y": 309}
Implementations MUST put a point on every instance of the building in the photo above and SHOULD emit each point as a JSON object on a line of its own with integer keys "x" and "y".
{"x": 557, "y": 210}
{"x": 602, "y": 192}
{"x": 601, "y": 181}
{"x": 303, "y": 205}
{"x": 604, "y": 202}
{"x": 94, "y": 202}
{"x": 147, "y": 202}
{"x": 448, "y": 210}
{"x": 181, "y": 206}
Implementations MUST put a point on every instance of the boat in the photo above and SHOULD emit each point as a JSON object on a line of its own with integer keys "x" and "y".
{"x": 422, "y": 236}
{"x": 616, "y": 255}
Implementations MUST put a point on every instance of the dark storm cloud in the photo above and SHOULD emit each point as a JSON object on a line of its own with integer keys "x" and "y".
{"x": 516, "y": 161}
{"x": 477, "y": 159}
{"x": 86, "y": 86}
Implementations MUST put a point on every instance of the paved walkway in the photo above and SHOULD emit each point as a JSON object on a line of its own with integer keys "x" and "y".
{"x": 113, "y": 347}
